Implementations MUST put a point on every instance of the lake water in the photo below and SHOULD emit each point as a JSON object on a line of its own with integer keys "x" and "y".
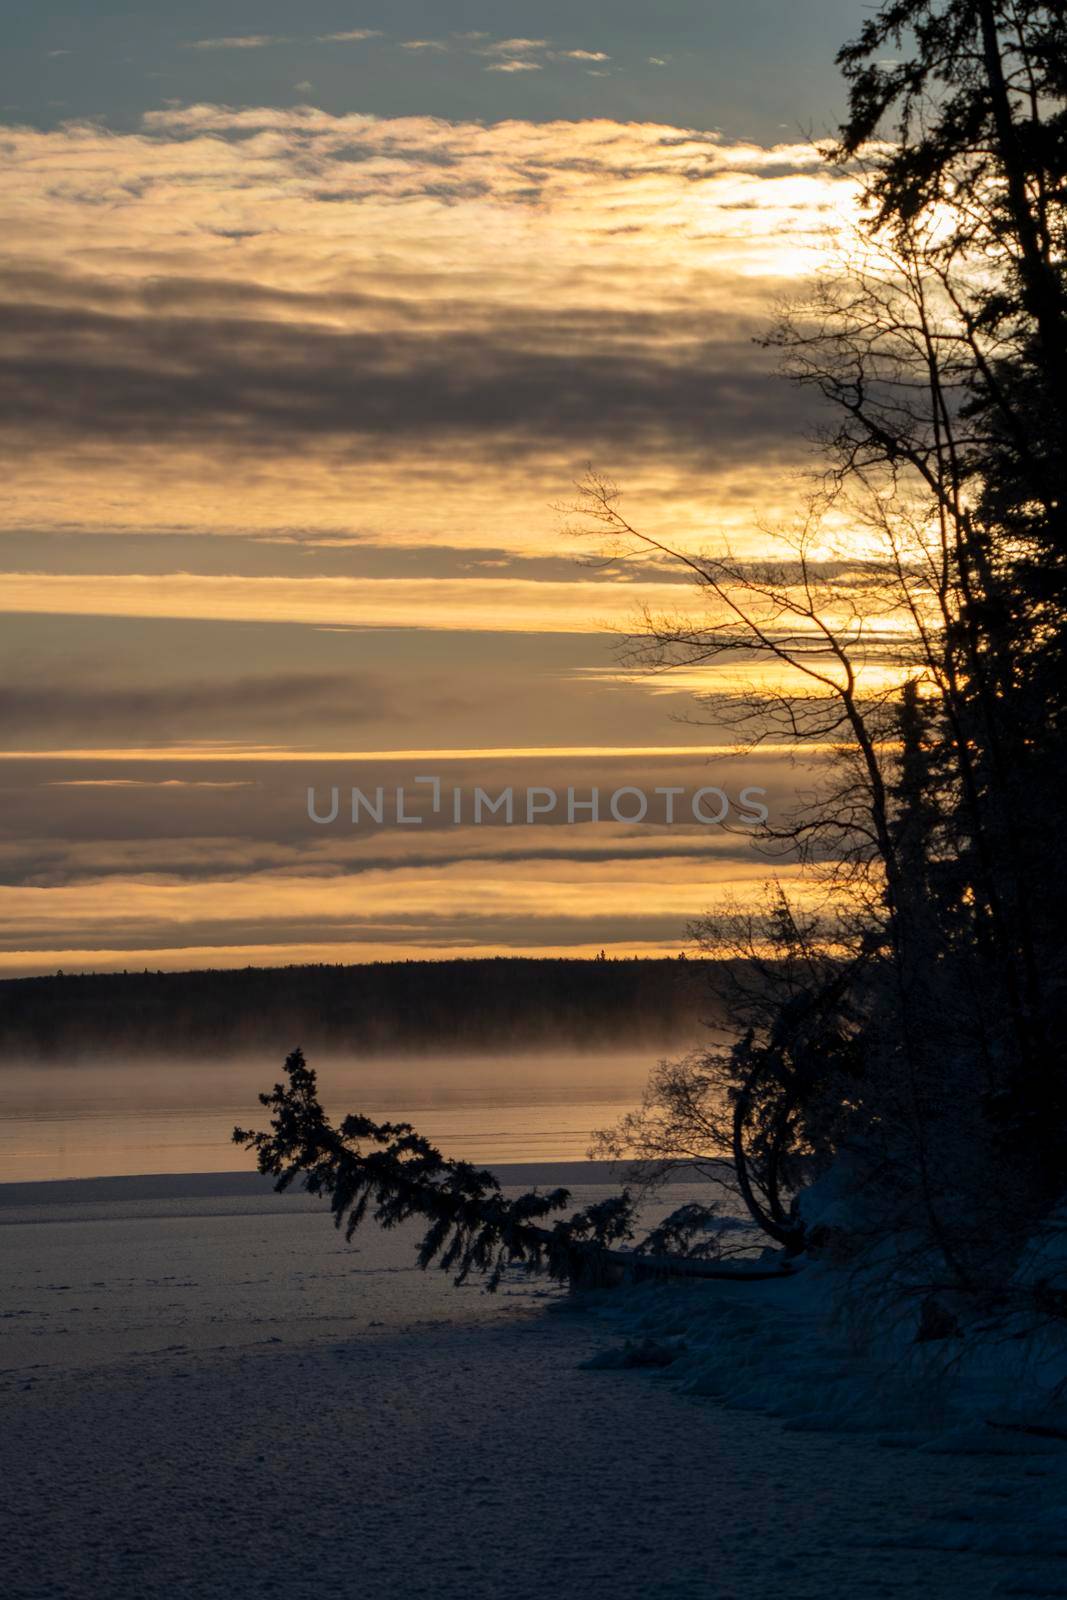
{"x": 99, "y": 1120}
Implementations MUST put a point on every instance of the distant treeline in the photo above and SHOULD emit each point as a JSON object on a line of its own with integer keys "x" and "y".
{"x": 464, "y": 1005}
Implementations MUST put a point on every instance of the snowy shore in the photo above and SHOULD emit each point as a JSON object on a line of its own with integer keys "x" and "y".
{"x": 205, "y": 1393}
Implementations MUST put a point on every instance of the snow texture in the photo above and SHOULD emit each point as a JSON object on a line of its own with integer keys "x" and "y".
{"x": 205, "y": 1394}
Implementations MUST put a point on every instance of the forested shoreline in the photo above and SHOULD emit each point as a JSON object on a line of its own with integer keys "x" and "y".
{"x": 379, "y": 1007}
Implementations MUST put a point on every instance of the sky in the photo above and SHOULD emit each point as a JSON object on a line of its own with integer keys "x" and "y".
{"x": 314, "y": 319}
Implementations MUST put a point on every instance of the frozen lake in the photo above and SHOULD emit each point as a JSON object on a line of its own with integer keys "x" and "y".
{"x": 95, "y": 1119}
{"x": 205, "y": 1393}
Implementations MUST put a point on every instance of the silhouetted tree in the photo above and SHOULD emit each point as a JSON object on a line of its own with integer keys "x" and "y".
{"x": 939, "y": 345}
{"x": 391, "y": 1173}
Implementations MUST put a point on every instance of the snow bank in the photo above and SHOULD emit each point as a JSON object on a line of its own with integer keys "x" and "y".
{"x": 816, "y": 1352}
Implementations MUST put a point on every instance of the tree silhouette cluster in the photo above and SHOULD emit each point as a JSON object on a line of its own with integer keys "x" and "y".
{"x": 902, "y": 1020}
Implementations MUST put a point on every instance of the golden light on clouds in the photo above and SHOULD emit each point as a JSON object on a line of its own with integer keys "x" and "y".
{"x": 220, "y": 750}
{"x": 292, "y": 398}
{"x": 419, "y": 329}
{"x": 385, "y": 915}
{"x": 499, "y": 605}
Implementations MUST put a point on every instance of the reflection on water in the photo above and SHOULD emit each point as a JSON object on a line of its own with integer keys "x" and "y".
{"x": 99, "y": 1120}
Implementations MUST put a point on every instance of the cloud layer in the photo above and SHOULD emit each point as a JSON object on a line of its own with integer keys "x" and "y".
{"x": 402, "y": 301}
{"x": 388, "y": 345}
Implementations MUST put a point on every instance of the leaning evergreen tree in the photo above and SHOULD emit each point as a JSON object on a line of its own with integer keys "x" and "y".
{"x": 389, "y": 1172}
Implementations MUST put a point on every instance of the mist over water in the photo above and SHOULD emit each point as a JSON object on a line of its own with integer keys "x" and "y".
{"x": 103, "y": 1119}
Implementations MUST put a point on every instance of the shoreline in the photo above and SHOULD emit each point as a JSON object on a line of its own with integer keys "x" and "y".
{"x": 247, "y": 1185}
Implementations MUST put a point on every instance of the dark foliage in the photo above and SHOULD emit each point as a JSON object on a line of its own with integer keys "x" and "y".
{"x": 389, "y": 1172}
{"x": 378, "y": 1007}
{"x": 911, "y": 1035}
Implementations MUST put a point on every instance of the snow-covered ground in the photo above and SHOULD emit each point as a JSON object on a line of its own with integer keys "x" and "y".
{"x": 205, "y": 1394}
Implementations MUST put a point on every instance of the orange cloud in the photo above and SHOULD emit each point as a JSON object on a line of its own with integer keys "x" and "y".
{"x": 594, "y": 285}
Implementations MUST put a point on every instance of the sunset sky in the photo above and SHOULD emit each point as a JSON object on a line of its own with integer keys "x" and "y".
{"x": 313, "y": 318}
